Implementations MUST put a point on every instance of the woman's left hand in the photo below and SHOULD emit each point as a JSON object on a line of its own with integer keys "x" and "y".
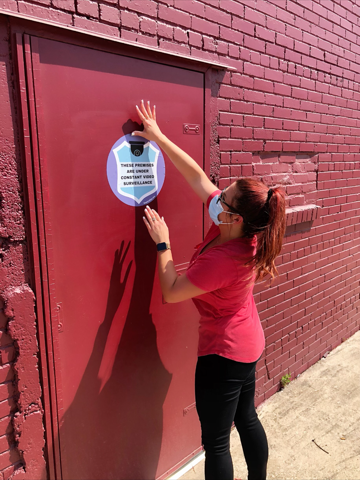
{"x": 156, "y": 226}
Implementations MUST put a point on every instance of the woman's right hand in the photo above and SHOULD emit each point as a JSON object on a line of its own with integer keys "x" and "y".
{"x": 151, "y": 130}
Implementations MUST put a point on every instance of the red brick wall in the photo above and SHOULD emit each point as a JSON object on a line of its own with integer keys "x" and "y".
{"x": 289, "y": 114}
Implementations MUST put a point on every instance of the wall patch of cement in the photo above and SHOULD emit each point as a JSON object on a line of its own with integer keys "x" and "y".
{"x": 27, "y": 422}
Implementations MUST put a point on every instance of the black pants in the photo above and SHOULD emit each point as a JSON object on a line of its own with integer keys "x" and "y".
{"x": 225, "y": 392}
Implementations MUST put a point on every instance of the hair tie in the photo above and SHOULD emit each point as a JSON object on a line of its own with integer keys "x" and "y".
{"x": 270, "y": 192}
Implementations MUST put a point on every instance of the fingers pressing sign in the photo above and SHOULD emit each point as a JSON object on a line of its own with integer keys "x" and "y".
{"x": 148, "y": 118}
{"x": 145, "y": 112}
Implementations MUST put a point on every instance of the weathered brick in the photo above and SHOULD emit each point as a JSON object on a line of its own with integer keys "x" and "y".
{"x": 204, "y": 26}
{"x": 7, "y": 354}
{"x": 240, "y": 132}
{"x": 253, "y": 43}
{"x": 68, "y": 5}
{"x": 242, "y": 107}
{"x": 231, "y": 35}
{"x": 3, "y": 319}
{"x": 180, "y": 35}
{"x": 242, "y": 80}
{"x": 92, "y": 26}
{"x": 88, "y": 8}
{"x": 110, "y": 14}
{"x": 294, "y": 32}
{"x": 284, "y": 16}
{"x": 252, "y": 121}
{"x": 217, "y": 16}
{"x": 223, "y": 48}
{"x": 181, "y": 49}
{"x": 5, "y": 339}
{"x": 225, "y": 158}
{"x": 276, "y": 25}
{"x": 191, "y": 6}
{"x": 284, "y": 41}
{"x": 247, "y": 170}
{"x": 262, "y": 170}
{"x": 223, "y": 183}
{"x": 254, "y": 16}
{"x": 7, "y": 390}
{"x": 254, "y": 96}
{"x": 264, "y": 110}
{"x": 9, "y": 5}
{"x": 6, "y": 373}
{"x": 195, "y": 39}
{"x": 209, "y": 44}
{"x": 147, "y": 25}
{"x": 273, "y": 123}
{"x": 8, "y": 458}
{"x": 165, "y": 31}
{"x": 130, "y": 20}
{"x": 254, "y": 70}
{"x": 233, "y": 144}
{"x": 232, "y": 6}
{"x": 280, "y": 89}
{"x": 241, "y": 157}
{"x": 243, "y": 26}
{"x": 224, "y": 171}
{"x": 146, "y": 7}
{"x": 234, "y": 51}
{"x": 264, "y": 34}
{"x": 263, "y": 85}
{"x": 253, "y": 146}
{"x": 261, "y": 133}
{"x": 265, "y": 7}
{"x": 235, "y": 170}
{"x": 44, "y": 13}
{"x": 7, "y": 406}
{"x": 174, "y": 16}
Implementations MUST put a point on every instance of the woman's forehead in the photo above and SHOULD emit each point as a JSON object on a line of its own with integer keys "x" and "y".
{"x": 229, "y": 192}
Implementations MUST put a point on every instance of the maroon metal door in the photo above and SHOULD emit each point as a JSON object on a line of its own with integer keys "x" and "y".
{"x": 124, "y": 362}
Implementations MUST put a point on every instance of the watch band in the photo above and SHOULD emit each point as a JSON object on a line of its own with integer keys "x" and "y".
{"x": 162, "y": 246}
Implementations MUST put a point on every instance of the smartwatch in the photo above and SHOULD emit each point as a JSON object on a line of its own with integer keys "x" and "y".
{"x": 162, "y": 246}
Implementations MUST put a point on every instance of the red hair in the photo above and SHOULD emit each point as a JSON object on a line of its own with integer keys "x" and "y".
{"x": 263, "y": 212}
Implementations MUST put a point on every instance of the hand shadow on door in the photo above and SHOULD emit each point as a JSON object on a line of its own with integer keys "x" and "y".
{"x": 116, "y": 433}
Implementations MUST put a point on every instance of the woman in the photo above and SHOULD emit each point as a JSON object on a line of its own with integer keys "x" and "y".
{"x": 240, "y": 248}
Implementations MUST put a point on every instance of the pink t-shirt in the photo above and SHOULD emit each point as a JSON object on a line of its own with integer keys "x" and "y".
{"x": 229, "y": 323}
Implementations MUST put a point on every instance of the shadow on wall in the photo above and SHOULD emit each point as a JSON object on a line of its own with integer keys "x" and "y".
{"x": 116, "y": 431}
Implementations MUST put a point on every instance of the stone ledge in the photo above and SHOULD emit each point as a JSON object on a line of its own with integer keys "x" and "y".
{"x": 301, "y": 214}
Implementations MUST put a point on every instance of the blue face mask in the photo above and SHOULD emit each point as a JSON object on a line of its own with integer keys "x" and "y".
{"x": 215, "y": 208}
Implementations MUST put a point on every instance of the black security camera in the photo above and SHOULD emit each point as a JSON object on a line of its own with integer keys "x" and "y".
{"x": 137, "y": 148}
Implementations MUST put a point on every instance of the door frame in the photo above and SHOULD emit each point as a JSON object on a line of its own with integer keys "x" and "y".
{"x": 35, "y": 195}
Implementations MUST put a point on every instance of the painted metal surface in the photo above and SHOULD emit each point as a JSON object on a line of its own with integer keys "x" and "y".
{"x": 124, "y": 361}
{"x": 31, "y": 160}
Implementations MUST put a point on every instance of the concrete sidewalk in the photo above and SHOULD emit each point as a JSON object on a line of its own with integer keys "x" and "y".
{"x": 313, "y": 425}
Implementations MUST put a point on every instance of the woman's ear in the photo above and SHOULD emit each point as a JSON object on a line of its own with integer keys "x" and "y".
{"x": 238, "y": 219}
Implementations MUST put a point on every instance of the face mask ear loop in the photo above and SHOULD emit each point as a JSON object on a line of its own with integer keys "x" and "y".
{"x": 229, "y": 213}
{"x": 224, "y": 211}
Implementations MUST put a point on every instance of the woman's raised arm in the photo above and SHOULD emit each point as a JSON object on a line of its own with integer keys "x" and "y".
{"x": 189, "y": 169}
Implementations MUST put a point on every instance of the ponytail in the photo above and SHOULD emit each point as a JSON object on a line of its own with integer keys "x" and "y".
{"x": 263, "y": 212}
